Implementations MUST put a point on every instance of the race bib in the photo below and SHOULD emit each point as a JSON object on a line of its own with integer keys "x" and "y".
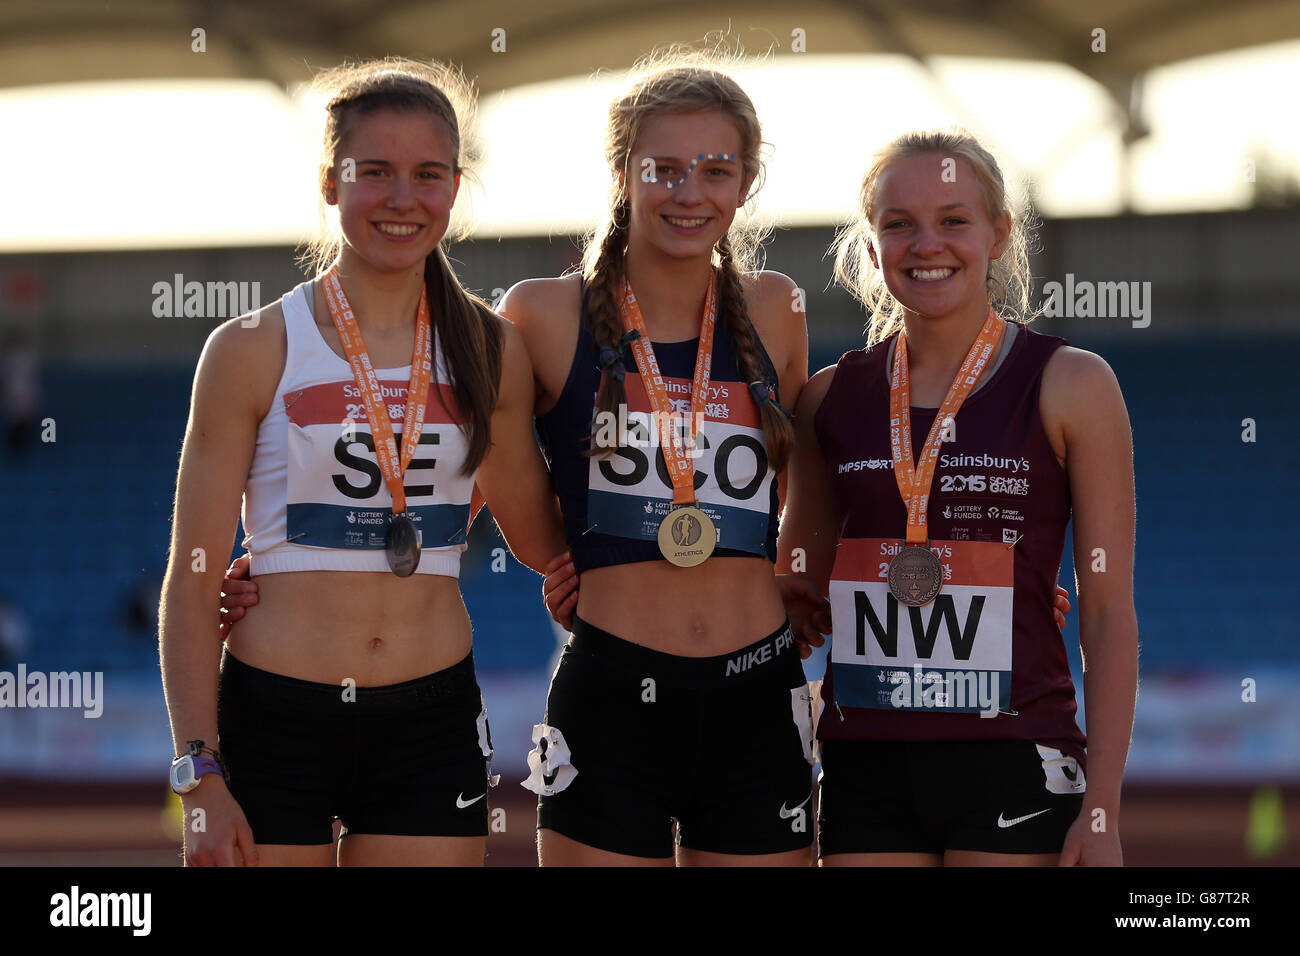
{"x": 630, "y": 493}
{"x": 953, "y": 654}
{"x": 336, "y": 496}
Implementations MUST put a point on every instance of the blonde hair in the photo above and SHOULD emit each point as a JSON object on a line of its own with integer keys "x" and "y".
{"x": 1009, "y": 280}
{"x": 676, "y": 81}
{"x": 468, "y": 331}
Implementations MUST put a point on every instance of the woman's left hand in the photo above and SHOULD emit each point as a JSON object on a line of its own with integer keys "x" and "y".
{"x": 560, "y": 589}
{"x": 1085, "y": 846}
{"x": 1061, "y": 606}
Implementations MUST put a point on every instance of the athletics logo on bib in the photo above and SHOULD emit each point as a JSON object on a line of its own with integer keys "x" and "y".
{"x": 953, "y": 654}
{"x": 336, "y": 496}
{"x": 630, "y": 492}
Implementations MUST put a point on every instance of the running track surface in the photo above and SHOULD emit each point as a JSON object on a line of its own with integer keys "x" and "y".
{"x": 46, "y": 825}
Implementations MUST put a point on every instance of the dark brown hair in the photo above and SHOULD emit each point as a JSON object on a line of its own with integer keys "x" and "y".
{"x": 466, "y": 328}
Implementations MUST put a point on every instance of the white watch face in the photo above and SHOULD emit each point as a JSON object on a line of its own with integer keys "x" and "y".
{"x": 183, "y": 780}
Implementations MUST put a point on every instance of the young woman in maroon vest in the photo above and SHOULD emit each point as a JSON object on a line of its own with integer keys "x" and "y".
{"x": 933, "y": 477}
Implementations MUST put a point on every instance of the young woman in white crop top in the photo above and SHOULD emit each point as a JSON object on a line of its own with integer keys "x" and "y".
{"x": 351, "y": 693}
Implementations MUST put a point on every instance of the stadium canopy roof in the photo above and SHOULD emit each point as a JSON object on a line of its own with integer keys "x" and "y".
{"x": 60, "y": 41}
{"x": 284, "y": 41}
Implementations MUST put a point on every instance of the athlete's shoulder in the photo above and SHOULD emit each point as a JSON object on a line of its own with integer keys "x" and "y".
{"x": 1078, "y": 371}
{"x": 244, "y": 357}
{"x": 255, "y": 339}
{"x": 773, "y": 296}
{"x": 814, "y": 393}
{"x": 542, "y": 303}
{"x": 1078, "y": 385}
{"x": 775, "y": 307}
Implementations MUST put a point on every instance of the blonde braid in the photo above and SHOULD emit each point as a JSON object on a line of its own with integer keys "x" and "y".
{"x": 604, "y": 278}
{"x": 778, "y": 432}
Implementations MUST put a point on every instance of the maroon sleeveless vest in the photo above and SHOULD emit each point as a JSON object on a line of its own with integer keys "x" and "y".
{"x": 984, "y": 660}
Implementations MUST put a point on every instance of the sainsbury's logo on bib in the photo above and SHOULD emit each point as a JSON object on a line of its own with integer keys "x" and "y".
{"x": 953, "y": 654}
{"x": 630, "y": 492}
{"x": 335, "y": 491}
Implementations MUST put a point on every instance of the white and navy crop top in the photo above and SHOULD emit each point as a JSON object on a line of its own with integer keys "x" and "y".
{"x": 315, "y": 499}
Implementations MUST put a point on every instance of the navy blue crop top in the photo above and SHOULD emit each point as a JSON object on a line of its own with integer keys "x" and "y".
{"x": 613, "y": 505}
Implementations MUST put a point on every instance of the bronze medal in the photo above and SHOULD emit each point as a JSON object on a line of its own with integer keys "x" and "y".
{"x": 402, "y": 546}
{"x": 915, "y": 576}
{"x": 687, "y": 537}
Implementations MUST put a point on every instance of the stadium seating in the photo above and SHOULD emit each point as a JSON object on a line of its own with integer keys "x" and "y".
{"x": 87, "y": 516}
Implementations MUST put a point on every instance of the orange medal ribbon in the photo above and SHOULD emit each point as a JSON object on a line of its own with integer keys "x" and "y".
{"x": 914, "y": 482}
{"x": 390, "y": 464}
{"x": 677, "y": 456}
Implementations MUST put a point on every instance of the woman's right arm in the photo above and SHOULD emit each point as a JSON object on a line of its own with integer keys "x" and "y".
{"x": 230, "y": 388}
{"x": 809, "y": 533}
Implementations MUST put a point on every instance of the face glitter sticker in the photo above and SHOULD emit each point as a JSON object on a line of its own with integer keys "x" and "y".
{"x": 699, "y": 158}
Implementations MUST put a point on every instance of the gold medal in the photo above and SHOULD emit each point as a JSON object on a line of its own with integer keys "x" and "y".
{"x": 687, "y": 537}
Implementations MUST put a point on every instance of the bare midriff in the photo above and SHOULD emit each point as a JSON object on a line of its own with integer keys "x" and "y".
{"x": 715, "y": 608}
{"x": 377, "y": 629}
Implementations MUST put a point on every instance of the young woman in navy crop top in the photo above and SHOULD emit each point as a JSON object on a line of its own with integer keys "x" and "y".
{"x": 681, "y": 694}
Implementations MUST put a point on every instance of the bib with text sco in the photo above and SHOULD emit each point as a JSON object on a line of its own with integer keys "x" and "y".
{"x": 717, "y": 436}
{"x": 630, "y": 492}
{"x": 951, "y": 655}
{"x": 336, "y": 494}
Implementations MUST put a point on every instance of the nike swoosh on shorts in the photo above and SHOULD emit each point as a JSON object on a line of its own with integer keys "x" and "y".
{"x": 1014, "y": 821}
{"x": 461, "y": 803}
{"x": 787, "y": 814}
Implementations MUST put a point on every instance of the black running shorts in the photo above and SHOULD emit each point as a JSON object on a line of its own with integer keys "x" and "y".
{"x": 634, "y": 738}
{"x": 409, "y": 759}
{"x": 993, "y": 796}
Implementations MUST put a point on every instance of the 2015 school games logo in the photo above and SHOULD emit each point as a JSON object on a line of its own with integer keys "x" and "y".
{"x": 630, "y": 493}
{"x": 953, "y": 654}
{"x": 335, "y": 492}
